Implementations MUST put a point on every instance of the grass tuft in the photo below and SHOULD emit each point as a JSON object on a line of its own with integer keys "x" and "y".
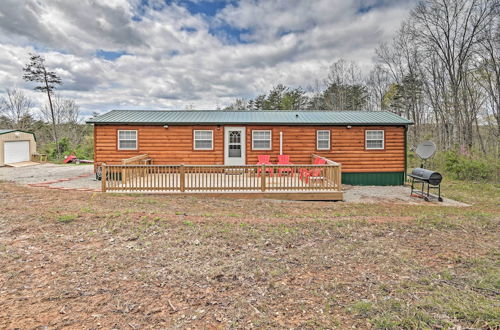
{"x": 67, "y": 218}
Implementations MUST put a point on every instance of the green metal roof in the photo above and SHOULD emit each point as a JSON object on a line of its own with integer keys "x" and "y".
{"x": 262, "y": 117}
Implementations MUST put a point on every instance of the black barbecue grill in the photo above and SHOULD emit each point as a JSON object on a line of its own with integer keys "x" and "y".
{"x": 429, "y": 179}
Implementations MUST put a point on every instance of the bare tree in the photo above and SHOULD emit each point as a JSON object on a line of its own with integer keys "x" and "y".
{"x": 448, "y": 31}
{"x": 378, "y": 83}
{"x": 63, "y": 111}
{"x": 67, "y": 117}
{"x": 16, "y": 107}
{"x": 346, "y": 88}
{"x": 400, "y": 58}
{"x": 487, "y": 71}
{"x": 36, "y": 71}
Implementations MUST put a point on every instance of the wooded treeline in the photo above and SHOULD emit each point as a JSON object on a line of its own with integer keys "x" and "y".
{"x": 57, "y": 125}
{"x": 441, "y": 70}
{"x": 17, "y": 111}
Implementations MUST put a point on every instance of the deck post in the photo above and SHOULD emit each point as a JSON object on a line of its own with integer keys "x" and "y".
{"x": 103, "y": 177}
{"x": 263, "y": 178}
{"x": 182, "y": 172}
{"x": 339, "y": 177}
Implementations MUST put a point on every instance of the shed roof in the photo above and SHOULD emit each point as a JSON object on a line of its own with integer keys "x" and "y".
{"x": 222, "y": 117}
{"x": 11, "y": 130}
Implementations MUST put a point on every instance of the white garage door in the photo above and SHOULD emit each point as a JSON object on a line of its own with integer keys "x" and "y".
{"x": 16, "y": 151}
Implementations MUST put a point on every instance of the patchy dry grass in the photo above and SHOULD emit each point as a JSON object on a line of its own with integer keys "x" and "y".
{"x": 89, "y": 260}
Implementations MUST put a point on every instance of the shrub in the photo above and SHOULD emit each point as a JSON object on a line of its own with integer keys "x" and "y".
{"x": 466, "y": 168}
{"x": 64, "y": 149}
{"x": 85, "y": 150}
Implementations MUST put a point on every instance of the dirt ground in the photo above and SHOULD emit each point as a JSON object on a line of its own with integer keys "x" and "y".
{"x": 52, "y": 172}
{"x": 81, "y": 260}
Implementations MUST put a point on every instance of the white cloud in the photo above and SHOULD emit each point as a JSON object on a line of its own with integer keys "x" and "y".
{"x": 171, "y": 58}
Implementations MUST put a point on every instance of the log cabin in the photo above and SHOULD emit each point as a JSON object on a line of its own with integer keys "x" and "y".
{"x": 370, "y": 145}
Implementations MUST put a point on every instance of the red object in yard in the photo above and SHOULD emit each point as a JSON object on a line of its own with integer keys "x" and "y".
{"x": 265, "y": 160}
{"x": 284, "y": 160}
{"x": 313, "y": 172}
{"x": 70, "y": 159}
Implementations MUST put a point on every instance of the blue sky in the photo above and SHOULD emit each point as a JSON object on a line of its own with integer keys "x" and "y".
{"x": 173, "y": 54}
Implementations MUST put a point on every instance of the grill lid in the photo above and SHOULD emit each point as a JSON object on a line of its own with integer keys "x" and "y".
{"x": 423, "y": 174}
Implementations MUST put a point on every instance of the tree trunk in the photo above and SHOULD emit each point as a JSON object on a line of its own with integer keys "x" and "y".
{"x": 54, "y": 127}
{"x": 480, "y": 138}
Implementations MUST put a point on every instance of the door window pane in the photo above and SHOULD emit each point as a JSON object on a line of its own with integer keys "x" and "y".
{"x": 234, "y": 150}
{"x": 234, "y": 144}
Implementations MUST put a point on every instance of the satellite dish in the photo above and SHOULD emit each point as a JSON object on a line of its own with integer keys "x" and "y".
{"x": 426, "y": 150}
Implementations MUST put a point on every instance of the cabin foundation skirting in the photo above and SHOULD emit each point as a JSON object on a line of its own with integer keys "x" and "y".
{"x": 374, "y": 179}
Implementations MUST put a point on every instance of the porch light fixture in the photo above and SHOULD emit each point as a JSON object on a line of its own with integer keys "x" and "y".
{"x": 17, "y": 134}
{"x": 165, "y": 126}
{"x": 349, "y": 126}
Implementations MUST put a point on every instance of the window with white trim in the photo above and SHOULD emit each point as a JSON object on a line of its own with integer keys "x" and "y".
{"x": 203, "y": 139}
{"x": 127, "y": 140}
{"x": 323, "y": 140}
{"x": 374, "y": 139}
{"x": 261, "y": 140}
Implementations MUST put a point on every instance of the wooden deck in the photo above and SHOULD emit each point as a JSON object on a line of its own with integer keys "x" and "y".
{"x": 298, "y": 182}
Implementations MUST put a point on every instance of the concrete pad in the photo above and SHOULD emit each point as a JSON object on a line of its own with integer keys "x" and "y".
{"x": 21, "y": 164}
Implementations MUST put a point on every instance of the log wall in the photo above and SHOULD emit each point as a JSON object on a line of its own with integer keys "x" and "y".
{"x": 174, "y": 145}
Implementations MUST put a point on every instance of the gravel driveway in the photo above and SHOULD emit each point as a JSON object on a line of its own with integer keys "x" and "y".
{"x": 81, "y": 177}
{"x": 391, "y": 194}
{"x": 52, "y": 172}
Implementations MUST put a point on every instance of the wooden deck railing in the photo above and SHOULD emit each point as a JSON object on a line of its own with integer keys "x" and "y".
{"x": 334, "y": 173}
{"x": 216, "y": 178}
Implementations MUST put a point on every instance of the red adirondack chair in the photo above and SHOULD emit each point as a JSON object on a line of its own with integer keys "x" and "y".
{"x": 264, "y": 160}
{"x": 284, "y": 160}
{"x": 307, "y": 174}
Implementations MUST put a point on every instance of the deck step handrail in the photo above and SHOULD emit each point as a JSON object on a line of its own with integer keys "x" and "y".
{"x": 328, "y": 161}
{"x": 136, "y": 160}
{"x": 128, "y": 174}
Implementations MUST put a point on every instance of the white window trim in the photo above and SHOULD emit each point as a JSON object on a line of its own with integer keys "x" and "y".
{"x": 136, "y": 139}
{"x": 270, "y": 139}
{"x": 211, "y": 139}
{"x": 366, "y": 139}
{"x": 329, "y": 139}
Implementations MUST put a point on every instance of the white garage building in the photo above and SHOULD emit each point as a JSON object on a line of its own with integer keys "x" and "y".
{"x": 16, "y": 146}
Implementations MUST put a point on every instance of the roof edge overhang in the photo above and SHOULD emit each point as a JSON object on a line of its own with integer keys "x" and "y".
{"x": 236, "y": 123}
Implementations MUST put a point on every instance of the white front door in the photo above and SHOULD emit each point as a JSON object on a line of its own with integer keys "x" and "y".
{"x": 16, "y": 151}
{"x": 234, "y": 145}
